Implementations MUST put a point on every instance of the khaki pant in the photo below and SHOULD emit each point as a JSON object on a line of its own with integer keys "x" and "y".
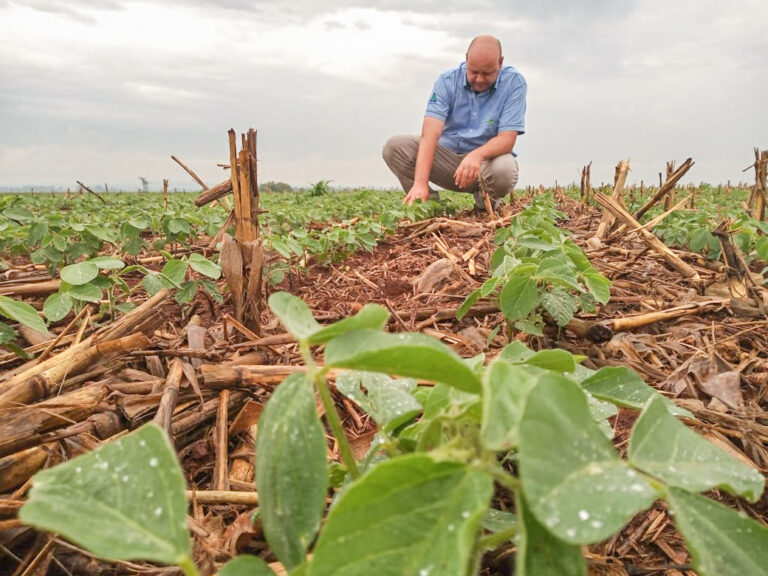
{"x": 500, "y": 173}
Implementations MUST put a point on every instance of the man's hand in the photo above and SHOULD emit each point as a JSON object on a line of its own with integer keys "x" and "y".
{"x": 469, "y": 169}
{"x": 417, "y": 192}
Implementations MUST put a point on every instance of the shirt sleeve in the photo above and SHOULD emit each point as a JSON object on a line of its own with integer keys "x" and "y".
{"x": 441, "y": 100}
{"x": 513, "y": 111}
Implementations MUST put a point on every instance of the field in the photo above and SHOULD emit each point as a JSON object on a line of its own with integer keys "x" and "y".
{"x": 431, "y": 391}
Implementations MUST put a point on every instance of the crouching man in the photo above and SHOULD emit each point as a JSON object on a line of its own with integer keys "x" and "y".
{"x": 473, "y": 118}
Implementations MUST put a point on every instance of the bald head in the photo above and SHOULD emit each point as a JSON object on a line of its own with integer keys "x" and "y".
{"x": 485, "y": 44}
{"x": 484, "y": 62}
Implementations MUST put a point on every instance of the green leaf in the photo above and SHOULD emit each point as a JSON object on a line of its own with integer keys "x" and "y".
{"x": 489, "y": 286}
{"x": 294, "y": 314}
{"x": 138, "y": 223}
{"x": 179, "y": 225}
{"x": 498, "y": 520}
{"x": 601, "y": 412}
{"x": 623, "y": 387}
{"x": 556, "y": 360}
{"x": 572, "y": 477}
{"x": 722, "y": 542}
{"x": 518, "y": 297}
{"x": 370, "y": 316}
{"x": 515, "y": 352}
{"x": 560, "y": 304}
{"x": 19, "y": 214}
{"x": 85, "y": 292}
{"x": 108, "y": 263}
{"x": 762, "y": 247}
{"x": 212, "y": 289}
{"x": 153, "y": 283}
{"x": 539, "y": 553}
{"x": 22, "y": 313}
{"x": 186, "y": 293}
{"x": 7, "y": 334}
{"x": 291, "y": 471}
{"x": 664, "y": 447}
{"x": 505, "y": 389}
{"x": 36, "y": 233}
{"x": 175, "y": 271}
{"x": 123, "y": 501}
{"x": 246, "y": 565}
{"x": 598, "y": 285}
{"x": 389, "y": 402}
{"x": 57, "y": 306}
{"x": 80, "y": 273}
{"x": 420, "y": 517}
{"x": 125, "y": 307}
{"x": 100, "y": 232}
{"x": 466, "y": 306}
{"x": 203, "y": 266}
{"x": 405, "y": 354}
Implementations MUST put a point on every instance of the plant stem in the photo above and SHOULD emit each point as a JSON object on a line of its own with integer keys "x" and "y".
{"x": 188, "y": 567}
{"x": 503, "y": 477}
{"x": 331, "y": 414}
{"x": 493, "y": 540}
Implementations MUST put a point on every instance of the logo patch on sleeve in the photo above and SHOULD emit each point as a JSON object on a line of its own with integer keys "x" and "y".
{"x": 433, "y": 98}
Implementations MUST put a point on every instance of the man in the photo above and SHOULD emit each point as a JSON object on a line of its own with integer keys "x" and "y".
{"x": 472, "y": 121}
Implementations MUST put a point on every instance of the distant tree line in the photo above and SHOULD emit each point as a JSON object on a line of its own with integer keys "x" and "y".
{"x": 275, "y": 187}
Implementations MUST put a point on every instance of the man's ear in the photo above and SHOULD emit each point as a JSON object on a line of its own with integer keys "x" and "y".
{"x": 501, "y": 61}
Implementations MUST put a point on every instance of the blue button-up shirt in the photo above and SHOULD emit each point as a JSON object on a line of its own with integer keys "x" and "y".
{"x": 471, "y": 118}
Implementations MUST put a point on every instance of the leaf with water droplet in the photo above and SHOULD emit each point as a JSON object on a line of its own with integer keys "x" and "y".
{"x": 89, "y": 501}
{"x": 294, "y": 314}
{"x": 291, "y": 469}
{"x": 505, "y": 388}
{"x": 539, "y": 553}
{"x": 664, "y": 447}
{"x": 722, "y": 542}
{"x": 623, "y": 387}
{"x": 388, "y": 401}
{"x": 568, "y": 465}
{"x": 396, "y": 520}
{"x": 405, "y": 354}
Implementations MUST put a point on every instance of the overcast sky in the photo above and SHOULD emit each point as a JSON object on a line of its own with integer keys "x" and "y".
{"x": 106, "y": 91}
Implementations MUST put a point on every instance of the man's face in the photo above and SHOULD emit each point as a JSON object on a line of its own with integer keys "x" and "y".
{"x": 482, "y": 70}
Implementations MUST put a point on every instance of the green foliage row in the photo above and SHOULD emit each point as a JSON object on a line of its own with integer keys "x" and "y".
{"x": 692, "y": 227}
{"x": 421, "y": 501}
{"x": 57, "y": 232}
{"x": 537, "y": 269}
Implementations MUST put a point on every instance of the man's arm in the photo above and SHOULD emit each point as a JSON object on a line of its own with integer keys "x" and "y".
{"x": 431, "y": 130}
{"x": 469, "y": 169}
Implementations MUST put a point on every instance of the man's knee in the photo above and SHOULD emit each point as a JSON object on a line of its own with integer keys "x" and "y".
{"x": 501, "y": 175}
{"x": 401, "y": 145}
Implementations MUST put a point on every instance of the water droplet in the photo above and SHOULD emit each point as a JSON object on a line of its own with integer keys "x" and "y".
{"x": 158, "y": 511}
{"x": 583, "y": 515}
{"x": 570, "y": 532}
{"x": 451, "y": 527}
{"x": 425, "y": 571}
{"x": 142, "y": 443}
{"x": 465, "y": 514}
{"x": 150, "y": 494}
{"x": 126, "y": 478}
{"x": 596, "y": 524}
{"x": 78, "y": 469}
{"x": 153, "y": 462}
